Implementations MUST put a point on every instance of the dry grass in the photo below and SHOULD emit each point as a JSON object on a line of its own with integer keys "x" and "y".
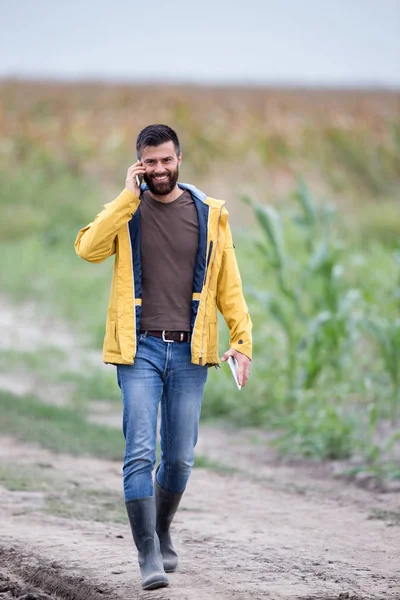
{"x": 234, "y": 139}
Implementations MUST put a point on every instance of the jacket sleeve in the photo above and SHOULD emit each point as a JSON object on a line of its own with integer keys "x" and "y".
{"x": 231, "y": 302}
{"x": 96, "y": 241}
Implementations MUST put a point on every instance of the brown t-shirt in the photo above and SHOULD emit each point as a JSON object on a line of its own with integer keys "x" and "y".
{"x": 168, "y": 246}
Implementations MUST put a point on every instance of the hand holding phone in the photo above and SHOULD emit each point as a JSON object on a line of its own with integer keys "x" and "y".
{"x": 133, "y": 178}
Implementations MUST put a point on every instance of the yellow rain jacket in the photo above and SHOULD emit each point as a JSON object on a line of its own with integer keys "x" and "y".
{"x": 216, "y": 281}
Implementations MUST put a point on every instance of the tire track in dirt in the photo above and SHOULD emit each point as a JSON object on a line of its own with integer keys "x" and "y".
{"x": 34, "y": 578}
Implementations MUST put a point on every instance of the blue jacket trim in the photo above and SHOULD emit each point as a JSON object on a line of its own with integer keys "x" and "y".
{"x": 201, "y": 258}
{"x": 134, "y": 233}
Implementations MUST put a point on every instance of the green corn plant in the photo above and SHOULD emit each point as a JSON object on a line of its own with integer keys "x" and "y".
{"x": 310, "y": 303}
{"x": 386, "y": 334}
{"x": 322, "y": 323}
{"x": 378, "y": 453}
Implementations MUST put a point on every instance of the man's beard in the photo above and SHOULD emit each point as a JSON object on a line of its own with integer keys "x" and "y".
{"x": 162, "y": 188}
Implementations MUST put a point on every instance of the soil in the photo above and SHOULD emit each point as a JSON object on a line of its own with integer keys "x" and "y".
{"x": 266, "y": 529}
{"x": 237, "y": 537}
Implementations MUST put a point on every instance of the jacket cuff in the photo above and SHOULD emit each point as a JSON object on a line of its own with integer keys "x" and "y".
{"x": 243, "y": 347}
{"x": 129, "y": 195}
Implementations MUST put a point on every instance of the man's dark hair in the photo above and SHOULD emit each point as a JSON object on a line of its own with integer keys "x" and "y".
{"x": 154, "y": 135}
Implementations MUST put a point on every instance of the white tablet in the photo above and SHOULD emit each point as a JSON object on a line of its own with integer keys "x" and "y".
{"x": 233, "y": 363}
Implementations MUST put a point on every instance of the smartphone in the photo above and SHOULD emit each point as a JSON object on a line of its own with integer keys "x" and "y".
{"x": 139, "y": 179}
{"x": 233, "y": 363}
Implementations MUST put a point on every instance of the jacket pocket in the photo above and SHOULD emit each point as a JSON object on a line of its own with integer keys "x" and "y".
{"x": 212, "y": 344}
{"x": 111, "y": 338}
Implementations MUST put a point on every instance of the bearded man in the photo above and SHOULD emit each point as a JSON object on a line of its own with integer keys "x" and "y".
{"x": 174, "y": 266}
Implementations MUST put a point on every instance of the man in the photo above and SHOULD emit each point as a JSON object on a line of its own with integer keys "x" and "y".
{"x": 174, "y": 265}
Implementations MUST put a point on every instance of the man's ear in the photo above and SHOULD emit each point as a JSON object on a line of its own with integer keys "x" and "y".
{"x": 179, "y": 159}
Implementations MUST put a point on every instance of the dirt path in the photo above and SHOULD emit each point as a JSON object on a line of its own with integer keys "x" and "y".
{"x": 265, "y": 529}
{"x": 237, "y": 538}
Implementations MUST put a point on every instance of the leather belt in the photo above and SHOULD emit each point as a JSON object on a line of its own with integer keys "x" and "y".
{"x": 170, "y": 336}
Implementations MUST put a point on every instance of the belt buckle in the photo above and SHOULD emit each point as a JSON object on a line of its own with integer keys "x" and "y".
{"x": 164, "y": 339}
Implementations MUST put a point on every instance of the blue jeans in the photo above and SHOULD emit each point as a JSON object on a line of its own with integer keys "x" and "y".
{"x": 162, "y": 371}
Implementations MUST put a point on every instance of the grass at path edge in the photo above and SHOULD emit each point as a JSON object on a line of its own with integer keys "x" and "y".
{"x": 57, "y": 428}
{"x": 65, "y": 430}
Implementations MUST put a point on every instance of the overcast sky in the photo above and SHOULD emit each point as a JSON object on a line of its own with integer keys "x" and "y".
{"x": 337, "y": 42}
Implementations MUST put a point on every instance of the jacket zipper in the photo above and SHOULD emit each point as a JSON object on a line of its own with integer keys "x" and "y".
{"x": 205, "y": 278}
{"x": 133, "y": 291}
{"x": 202, "y": 290}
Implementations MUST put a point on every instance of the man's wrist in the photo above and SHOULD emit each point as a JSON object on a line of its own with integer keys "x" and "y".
{"x": 242, "y": 353}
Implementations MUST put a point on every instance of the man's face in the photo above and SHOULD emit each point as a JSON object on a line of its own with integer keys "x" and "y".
{"x": 162, "y": 168}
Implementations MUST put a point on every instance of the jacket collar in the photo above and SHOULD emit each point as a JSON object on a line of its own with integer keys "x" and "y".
{"x": 184, "y": 186}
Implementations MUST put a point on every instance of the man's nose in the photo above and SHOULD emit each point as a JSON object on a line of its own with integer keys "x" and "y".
{"x": 159, "y": 170}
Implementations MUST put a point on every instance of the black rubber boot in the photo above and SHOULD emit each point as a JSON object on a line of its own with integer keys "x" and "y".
{"x": 166, "y": 504}
{"x": 142, "y": 518}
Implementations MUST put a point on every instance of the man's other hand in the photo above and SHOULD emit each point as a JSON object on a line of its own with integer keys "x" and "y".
{"x": 243, "y": 365}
